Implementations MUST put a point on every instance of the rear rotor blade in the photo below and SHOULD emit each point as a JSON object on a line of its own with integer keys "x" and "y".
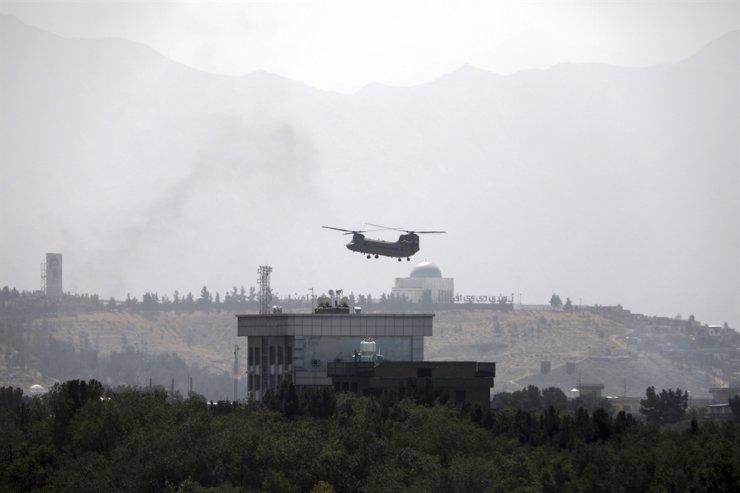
{"x": 428, "y": 232}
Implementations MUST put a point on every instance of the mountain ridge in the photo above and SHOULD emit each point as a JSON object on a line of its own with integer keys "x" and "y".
{"x": 728, "y": 43}
{"x": 145, "y": 167}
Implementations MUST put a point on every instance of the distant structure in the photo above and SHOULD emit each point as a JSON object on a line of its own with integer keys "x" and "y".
{"x": 545, "y": 367}
{"x": 265, "y": 293}
{"x": 299, "y": 346}
{"x": 425, "y": 281}
{"x": 593, "y": 390}
{"x": 51, "y": 275}
{"x": 36, "y": 389}
{"x": 722, "y": 395}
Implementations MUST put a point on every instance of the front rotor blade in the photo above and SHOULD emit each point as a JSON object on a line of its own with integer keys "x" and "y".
{"x": 427, "y": 232}
{"x": 387, "y": 227}
{"x": 338, "y": 229}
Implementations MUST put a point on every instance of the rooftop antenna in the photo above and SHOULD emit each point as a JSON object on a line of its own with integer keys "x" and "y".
{"x": 43, "y": 277}
{"x": 519, "y": 289}
{"x": 265, "y": 294}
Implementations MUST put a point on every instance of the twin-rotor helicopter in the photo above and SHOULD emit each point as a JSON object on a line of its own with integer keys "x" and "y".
{"x": 406, "y": 245}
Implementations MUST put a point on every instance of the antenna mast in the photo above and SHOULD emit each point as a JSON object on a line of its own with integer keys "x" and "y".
{"x": 265, "y": 294}
{"x": 43, "y": 278}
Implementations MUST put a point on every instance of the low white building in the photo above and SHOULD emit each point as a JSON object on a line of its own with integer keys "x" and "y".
{"x": 425, "y": 277}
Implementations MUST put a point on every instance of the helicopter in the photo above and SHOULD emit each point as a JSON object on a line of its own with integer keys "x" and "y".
{"x": 406, "y": 245}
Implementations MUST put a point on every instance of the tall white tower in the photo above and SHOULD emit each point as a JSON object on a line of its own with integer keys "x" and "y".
{"x": 53, "y": 275}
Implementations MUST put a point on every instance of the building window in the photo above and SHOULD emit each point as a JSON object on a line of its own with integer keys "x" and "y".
{"x": 271, "y": 382}
{"x": 336, "y": 386}
{"x": 250, "y": 382}
{"x": 424, "y": 373}
{"x": 250, "y": 357}
{"x": 272, "y": 355}
{"x": 279, "y": 380}
{"x": 280, "y": 355}
{"x": 288, "y": 355}
{"x": 345, "y": 386}
{"x": 257, "y": 356}
{"x": 353, "y": 386}
{"x": 459, "y": 395}
{"x": 257, "y": 380}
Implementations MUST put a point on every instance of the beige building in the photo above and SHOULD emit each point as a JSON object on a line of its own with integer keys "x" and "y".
{"x": 425, "y": 277}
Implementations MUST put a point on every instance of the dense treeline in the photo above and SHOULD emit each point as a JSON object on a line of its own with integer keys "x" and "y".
{"x": 532, "y": 399}
{"x": 14, "y": 303}
{"x": 85, "y": 438}
{"x": 34, "y": 303}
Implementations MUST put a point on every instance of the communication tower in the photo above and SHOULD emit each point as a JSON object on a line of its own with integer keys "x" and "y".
{"x": 265, "y": 294}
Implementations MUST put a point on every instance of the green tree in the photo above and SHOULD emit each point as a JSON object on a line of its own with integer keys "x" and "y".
{"x": 205, "y": 299}
{"x": 667, "y": 407}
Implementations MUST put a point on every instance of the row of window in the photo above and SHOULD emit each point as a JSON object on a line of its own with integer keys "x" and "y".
{"x": 254, "y": 382}
{"x": 274, "y": 353}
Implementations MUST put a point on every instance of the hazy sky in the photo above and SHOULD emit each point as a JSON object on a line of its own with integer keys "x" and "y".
{"x": 344, "y": 45}
{"x": 578, "y": 179}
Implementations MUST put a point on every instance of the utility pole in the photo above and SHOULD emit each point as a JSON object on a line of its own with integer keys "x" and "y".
{"x": 236, "y": 372}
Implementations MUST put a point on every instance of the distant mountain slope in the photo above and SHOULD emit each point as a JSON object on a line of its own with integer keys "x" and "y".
{"x": 615, "y": 184}
{"x": 627, "y": 350}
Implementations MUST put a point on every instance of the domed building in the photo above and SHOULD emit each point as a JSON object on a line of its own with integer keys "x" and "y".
{"x": 425, "y": 277}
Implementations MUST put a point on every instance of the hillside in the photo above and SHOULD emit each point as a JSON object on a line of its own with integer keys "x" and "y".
{"x": 611, "y": 347}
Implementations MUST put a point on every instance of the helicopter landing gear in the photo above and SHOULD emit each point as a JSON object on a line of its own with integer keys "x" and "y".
{"x": 399, "y": 259}
{"x": 376, "y": 255}
{"x": 408, "y": 259}
{"x": 368, "y": 256}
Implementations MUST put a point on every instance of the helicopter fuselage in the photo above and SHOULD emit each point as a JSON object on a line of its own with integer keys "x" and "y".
{"x": 405, "y": 246}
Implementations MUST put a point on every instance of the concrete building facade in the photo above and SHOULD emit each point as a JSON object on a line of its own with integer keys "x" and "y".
{"x": 300, "y": 346}
{"x": 425, "y": 278}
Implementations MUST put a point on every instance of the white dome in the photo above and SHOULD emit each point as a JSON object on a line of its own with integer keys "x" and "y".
{"x": 37, "y": 389}
{"x": 426, "y": 269}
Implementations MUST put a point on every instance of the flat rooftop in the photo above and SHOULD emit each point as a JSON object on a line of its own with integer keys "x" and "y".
{"x": 336, "y": 324}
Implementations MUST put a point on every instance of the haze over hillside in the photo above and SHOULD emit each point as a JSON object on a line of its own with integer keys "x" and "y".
{"x": 611, "y": 184}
